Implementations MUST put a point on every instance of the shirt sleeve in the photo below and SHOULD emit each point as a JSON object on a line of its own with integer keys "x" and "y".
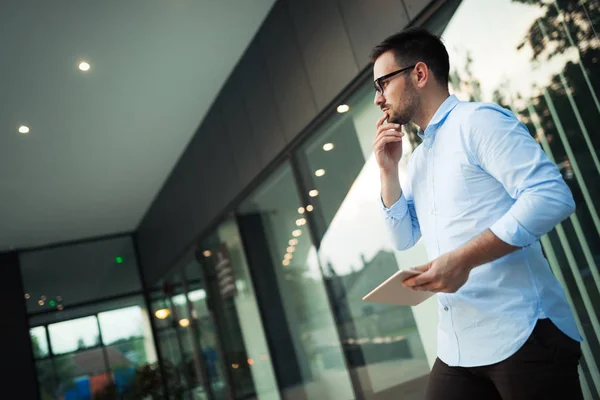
{"x": 402, "y": 223}
{"x": 503, "y": 147}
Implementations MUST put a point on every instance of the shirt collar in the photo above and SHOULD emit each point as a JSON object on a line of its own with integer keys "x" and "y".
{"x": 440, "y": 115}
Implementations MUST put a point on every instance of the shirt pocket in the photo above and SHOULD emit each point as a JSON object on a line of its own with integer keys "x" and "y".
{"x": 452, "y": 197}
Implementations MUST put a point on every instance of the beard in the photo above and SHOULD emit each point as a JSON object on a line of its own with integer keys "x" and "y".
{"x": 404, "y": 112}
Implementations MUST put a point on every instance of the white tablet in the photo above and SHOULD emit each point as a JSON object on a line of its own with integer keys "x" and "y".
{"x": 392, "y": 291}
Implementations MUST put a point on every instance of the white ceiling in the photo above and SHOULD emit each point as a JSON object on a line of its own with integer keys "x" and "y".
{"x": 103, "y": 142}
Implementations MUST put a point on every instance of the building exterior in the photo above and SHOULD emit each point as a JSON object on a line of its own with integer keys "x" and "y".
{"x": 244, "y": 280}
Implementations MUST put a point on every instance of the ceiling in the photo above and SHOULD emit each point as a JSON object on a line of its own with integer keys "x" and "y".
{"x": 102, "y": 142}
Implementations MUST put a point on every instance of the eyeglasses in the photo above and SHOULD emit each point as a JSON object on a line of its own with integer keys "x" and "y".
{"x": 378, "y": 82}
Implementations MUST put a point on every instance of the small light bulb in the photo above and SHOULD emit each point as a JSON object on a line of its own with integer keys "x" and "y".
{"x": 297, "y": 233}
{"x": 301, "y": 210}
{"x": 320, "y": 172}
{"x": 309, "y": 208}
{"x": 24, "y": 129}
{"x": 84, "y": 66}
{"x": 207, "y": 253}
{"x": 342, "y": 108}
{"x": 328, "y": 146}
{"x": 313, "y": 193}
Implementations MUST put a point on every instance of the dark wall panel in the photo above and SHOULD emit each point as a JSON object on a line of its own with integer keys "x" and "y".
{"x": 260, "y": 103}
{"x": 367, "y": 25}
{"x": 325, "y": 47}
{"x": 293, "y": 96}
{"x": 238, "y": 130}
{"x": 220, "y": 179}
{"x": 17, "y": 371}
{"x": 414, "y": 7}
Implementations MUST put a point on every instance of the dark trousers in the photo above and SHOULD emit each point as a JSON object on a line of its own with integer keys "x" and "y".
{"x": 544, "y": 368}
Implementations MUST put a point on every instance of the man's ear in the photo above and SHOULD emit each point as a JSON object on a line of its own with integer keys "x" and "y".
{"x": 421, "y": 74}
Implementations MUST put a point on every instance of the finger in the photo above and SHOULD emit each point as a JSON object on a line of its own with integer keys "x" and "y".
{"x": 380, "y": 121}
{"x": 422, "y": 279}
{"x": 380, "y": 143}
{"x": 389, "y": 135}
{"x": 396, "y": 128}
{"x": 430, "y": 287}
{"x": 422, "y": 268}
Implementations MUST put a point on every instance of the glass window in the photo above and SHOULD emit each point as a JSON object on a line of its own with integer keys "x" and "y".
{"x": 39, "y": 342}
{"x": 245, "y": 344}
{"x": 68, "y": 275}
{"x": 77, "y": 334}
{"x": 341, "y": 181}
{"x": 282, "y": 253}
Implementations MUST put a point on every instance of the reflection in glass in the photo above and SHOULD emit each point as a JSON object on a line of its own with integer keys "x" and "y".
{"x": 382, "y": 342}
{"x": 39, "y": 342}
{"x": 269, "y": 218}
{"x": 76, "y": 334}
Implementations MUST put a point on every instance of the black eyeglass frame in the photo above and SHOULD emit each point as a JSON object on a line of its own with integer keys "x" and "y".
{"x": 378, "y": 81}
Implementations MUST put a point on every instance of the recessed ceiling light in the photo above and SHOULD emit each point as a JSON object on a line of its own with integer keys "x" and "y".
{"x": 297, "y": 233}
{"x": 24, "y": 129}
{"x": 184, "y": 323}
{"x": 286, "y": 262}
{"x": 342, "y": 108}
{"x": 320, "y": 172}
{"x": 301, "y": 210}
{"x": 288, "y": 256}
{"x": 309, "y": 208}
{"x": 291, "y": 249}
{"x": 207, "y": 253}
{"x": 313, "y": 193}
{"x": 84, "y": 66}
{"x": 301, "y": 221}
{"x": 293, "y": 242}
{"x": 328, "y": 146}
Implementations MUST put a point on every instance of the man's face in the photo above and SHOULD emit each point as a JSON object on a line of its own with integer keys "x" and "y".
{"x": 397, "y": 95}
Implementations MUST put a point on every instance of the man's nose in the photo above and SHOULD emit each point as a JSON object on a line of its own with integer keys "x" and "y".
{"x": 379, "y": 99}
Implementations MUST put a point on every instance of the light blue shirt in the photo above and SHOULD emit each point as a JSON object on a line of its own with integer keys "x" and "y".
{"x": 479, "y": 168}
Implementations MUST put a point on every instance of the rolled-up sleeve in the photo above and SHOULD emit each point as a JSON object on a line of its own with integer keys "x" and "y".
{"x": 402, "y": 223}
{"x": 503, "y": 147}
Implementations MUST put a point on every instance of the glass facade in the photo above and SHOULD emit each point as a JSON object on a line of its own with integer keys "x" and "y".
{"x": 268, "y": 304}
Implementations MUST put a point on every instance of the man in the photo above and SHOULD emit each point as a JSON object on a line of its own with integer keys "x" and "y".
{"x": 481, "y": 193}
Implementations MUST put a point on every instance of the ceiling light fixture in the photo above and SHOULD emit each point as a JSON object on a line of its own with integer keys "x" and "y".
{"x": 291, "y": 249}
{"x": 313, "y": 193}
{"x": 301, "y": 210}
{"x": 320, "y": 172}
{"x": 24, "y": 129}
{"x": 84, "y": 66}
{"x": 309, "y": 208}
{"x": 184, "y": 323}
{"x": 293, "y": 242}
{"x": 163, "y": 313}
{"x": 301, "y": 221}
{"x": 328, "y": 146}
{"x": 342, "y": 108}
{"x": 297, "y": 233}
{"x": 207, "y": 253}
{"x": 286, "y": 262}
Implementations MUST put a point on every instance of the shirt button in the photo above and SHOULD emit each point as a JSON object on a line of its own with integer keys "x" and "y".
{"x": 430, "y": 150}
{"x": 446, "y": 308}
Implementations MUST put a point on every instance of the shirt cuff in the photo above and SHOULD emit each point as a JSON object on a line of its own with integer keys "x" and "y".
{"x": 396, "y": 210}
{"x": 509, "y": 230}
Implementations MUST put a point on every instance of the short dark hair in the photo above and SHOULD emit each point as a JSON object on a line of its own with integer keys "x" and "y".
{"x": 417, "y": 44}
